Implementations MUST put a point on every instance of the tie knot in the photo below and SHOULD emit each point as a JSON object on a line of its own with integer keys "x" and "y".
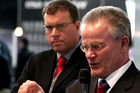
{"x": 104, "y": 84}
{"x": 61, "y": 61}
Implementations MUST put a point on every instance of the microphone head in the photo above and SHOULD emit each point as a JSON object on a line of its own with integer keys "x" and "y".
{"x": 84, "y": 76}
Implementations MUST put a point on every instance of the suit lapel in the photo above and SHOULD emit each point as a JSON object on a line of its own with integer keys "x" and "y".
{"x": 49, "y": 66}
{"x": 70, "y": 67}
{"x": 126, "y": 81}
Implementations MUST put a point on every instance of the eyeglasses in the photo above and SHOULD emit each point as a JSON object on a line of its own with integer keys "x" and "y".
{"x": 94, "y": 46}
{"x": 59, "y": 27}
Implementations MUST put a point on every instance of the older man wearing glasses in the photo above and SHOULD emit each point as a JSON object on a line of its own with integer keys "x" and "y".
{"x": 106, "y": 40}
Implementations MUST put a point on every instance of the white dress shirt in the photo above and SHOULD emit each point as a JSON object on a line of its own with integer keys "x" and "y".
{"x": 115, "y": 76}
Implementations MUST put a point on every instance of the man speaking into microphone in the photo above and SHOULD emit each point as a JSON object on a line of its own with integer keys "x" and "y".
{"x": 106, "y": 40}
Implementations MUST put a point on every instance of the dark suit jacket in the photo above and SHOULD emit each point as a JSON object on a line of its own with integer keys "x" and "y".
{"x": 128, "y": 83}
{"x": 40, "y": 68}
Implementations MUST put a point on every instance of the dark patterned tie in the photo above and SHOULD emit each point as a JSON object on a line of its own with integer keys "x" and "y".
{"x": 103, "y": 86}
{"x": 61, "y": 61}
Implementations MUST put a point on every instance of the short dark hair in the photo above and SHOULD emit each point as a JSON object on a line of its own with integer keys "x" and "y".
{"x": 62, "y": 5}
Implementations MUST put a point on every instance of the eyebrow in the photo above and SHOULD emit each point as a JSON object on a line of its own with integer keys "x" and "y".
{"x": 97, "y": 42}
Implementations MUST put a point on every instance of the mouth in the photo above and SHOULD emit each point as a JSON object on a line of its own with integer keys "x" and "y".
{"x": 94, "y": 65}
{"x": 56, "y": 42}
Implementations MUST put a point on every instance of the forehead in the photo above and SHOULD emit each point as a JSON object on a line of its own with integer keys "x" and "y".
{"x": 58, "y": 17}
{"x": 98, "y": 31}
{"x": 94, "y": 43}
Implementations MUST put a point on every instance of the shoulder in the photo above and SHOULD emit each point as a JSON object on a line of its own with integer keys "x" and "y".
{"x": 78, "y": 59}
{"x": 138, "y": 75}
{"x": 79, "y": 54}
{"x": 45, "y": 54}
{"x": 42, "y": 57}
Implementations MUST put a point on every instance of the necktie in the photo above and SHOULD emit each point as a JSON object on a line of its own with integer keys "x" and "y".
{"x": 61, "y": 61}
{"x": 103, "y": 87}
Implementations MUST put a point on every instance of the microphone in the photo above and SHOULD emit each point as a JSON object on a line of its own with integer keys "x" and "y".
{"x": 84, "y": 77}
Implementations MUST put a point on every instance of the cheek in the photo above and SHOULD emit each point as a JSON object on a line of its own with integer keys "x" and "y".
{"x": 105, "y": 56}
{"x": 109, "y": 56}
{"x": 69, "y": 36}
{"x": 48, "y": 38}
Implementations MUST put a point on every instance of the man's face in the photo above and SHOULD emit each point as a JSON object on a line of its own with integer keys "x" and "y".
{"x": 103, "y": 54}
{"x": 62, "y": 33}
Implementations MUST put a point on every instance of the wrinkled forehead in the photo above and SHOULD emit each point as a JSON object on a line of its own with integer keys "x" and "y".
{"x": 93, "y": 42}
{"x": 99, "y": 31}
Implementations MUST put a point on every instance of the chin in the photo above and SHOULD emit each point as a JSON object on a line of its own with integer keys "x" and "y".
{"x": 58, "y": 50}
{"x": 96, "y": 73}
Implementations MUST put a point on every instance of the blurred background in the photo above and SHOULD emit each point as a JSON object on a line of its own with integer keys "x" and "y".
{"x": 22, "y": 18}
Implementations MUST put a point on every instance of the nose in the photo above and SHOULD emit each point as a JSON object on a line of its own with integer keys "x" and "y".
{"x": 54, "y": 32}
{"x": 90, "y": 54}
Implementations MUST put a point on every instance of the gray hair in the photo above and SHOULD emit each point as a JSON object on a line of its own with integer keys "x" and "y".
{"x": 120, "y": 24}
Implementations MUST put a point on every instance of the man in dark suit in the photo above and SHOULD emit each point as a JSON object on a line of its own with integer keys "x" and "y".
{"x": 62, "y": 30}
{"x": 106, "y": 41}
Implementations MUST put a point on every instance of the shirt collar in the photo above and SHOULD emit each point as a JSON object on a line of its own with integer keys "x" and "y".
{"x": 115, "y": 76}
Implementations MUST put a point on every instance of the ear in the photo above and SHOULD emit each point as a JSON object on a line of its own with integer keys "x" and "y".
{"x": 124, "y": 43}
{"x": 77, "y": 25}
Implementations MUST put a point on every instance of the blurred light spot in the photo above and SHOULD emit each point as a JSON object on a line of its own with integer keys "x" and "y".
{"x": 18, "y": 31}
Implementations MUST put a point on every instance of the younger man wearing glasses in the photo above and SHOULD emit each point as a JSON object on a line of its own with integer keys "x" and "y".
{"x": 61, "y": 19}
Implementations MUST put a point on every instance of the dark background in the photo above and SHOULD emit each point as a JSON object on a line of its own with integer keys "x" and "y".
{"x": 8, "y": 11}
{"x": 8, "y": 14}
